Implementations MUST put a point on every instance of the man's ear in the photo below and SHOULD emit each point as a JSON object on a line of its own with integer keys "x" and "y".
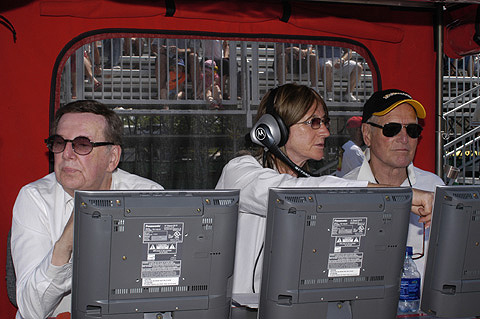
{"x": 366, "y": 132}
{"x": 115, "y": 154}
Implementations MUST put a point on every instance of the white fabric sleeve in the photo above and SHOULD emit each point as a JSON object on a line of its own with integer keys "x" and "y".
{"x": 40, "y": 285}
{"x": 246, "y": 174}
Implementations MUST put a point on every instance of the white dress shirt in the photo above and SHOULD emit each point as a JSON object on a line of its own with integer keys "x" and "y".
{"x": 353, "y": 156}
{"x": 419, "y": 179}
{"x": 253, "y": 180}
{"x": 41, "y": 211}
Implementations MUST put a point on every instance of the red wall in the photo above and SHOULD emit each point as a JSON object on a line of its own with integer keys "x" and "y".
{"x": 402, "y": 46}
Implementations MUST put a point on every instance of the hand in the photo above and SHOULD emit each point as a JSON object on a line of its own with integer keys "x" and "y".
{"x": 422, "y": 205}
{"x": 62, "y": 251}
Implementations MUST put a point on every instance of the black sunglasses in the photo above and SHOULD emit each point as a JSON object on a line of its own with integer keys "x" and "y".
{"x": 80, "y": 144}
{"x": 392, "y": 129}
{"x": 317, "y": 122}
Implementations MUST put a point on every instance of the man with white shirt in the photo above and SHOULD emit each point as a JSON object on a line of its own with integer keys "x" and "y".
{"x": 390, "y": 130}
{"x": 86, "y": 142}
{"x": 352, "y": 154}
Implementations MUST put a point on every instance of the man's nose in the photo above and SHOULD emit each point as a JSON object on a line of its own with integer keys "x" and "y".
{"x": 68, "y": 152}
{"x": 403, "y": 136}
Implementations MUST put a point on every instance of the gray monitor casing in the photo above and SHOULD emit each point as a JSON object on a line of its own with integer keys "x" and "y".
{"x": 452, "y": 273}
{"x": 141, "y": 253}
{"x": 334, "y": 253}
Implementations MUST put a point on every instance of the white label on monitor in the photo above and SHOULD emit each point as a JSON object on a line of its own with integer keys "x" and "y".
{"x": 344, "y": 272}
{"x": 163, "y": 232}
{"x": 344, "y": 264}
{"x": 160, "y": 248}
{"x": 161, "y": 273}
{"x": 346, "y": 242}
{"x": 349, "y": 226}
{"x": 156, "y": 282}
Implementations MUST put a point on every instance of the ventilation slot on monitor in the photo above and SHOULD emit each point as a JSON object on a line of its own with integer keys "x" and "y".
{"x": 199, "y": 288}
{"x": 223, "y": 201}
{"x": 311, "y": 220}
{"x": 475, "y": 215}
{"x": 152, "y": 289}
{"x": 181, "y": 289}
{"x": 475, "y": 273}
{"x": 387, "y": 217}
{"x": 349, "y": 279}
{"x": 342, "y": 280}
{"x": 127, "y": 291}
{"x": 136, "y": 290}
{"x": 215, "y": 253}
{"x": 120, "y": 291}
{"x": 296, "y": 199}
{"x": 119, "y": 225}
{"x": 307, "y": 281}
{"x": 376, "y": 278}
{"x": 207, "y": 223}
{"x": 167, "y": 289}
{"x": 101, "y": 202}
{"x": 463, "y": 195}
{"x": 400, "y": 198}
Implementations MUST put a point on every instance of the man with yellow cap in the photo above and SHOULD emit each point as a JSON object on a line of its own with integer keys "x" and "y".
{"x": 390, "y": 130}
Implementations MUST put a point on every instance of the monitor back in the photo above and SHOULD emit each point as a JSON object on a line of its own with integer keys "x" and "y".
{"x": 153, "y": 254}
{"x": 452, "y": 273}
{"x": 334, "y": 253}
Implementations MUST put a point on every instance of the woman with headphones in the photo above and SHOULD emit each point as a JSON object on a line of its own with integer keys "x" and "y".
{"x": 292, "y": 125}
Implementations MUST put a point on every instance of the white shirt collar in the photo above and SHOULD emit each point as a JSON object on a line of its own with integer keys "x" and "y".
{"x": 365, "y": 172}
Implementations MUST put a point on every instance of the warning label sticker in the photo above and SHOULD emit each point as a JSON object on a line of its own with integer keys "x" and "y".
{"x": 161, "y": 273}
{"x": 163, "y": 233}
{"x": 346, "y": 241}
{"x": 346, "y": 258}
{"x": 160, "y": 248}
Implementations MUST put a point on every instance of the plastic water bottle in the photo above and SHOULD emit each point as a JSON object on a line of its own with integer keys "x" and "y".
{"x": 409, "y": 301}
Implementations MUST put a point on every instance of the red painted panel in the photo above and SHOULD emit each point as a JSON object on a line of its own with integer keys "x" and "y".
{"x": 400, "y": 41}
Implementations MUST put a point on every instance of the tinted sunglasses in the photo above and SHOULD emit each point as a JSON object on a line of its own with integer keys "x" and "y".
{"x": 392, "y": 129}
{"x": 317, "y": 122}
{"x": 80, "y": 144}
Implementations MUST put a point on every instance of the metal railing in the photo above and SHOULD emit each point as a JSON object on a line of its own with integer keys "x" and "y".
{"x": 183, "y": 112}
{"x": 460, "y": 133}
{"x": 155, "y": 71}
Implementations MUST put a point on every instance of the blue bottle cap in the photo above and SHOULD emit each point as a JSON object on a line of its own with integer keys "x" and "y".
{"x": 409, "y": 251}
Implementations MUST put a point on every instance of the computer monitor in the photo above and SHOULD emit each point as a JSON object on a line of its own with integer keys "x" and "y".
{"x": 334, "y": 253}
{"x": 452, "y": 273}
{"x": 153, "y": 254}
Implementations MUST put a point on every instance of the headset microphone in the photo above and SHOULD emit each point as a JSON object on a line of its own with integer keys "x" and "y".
{"x": 261, "y": 134}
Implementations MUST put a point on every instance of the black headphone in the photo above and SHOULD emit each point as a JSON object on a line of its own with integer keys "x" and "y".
{"x": 272, "y": 122}
{"x": 271, "y": 132}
